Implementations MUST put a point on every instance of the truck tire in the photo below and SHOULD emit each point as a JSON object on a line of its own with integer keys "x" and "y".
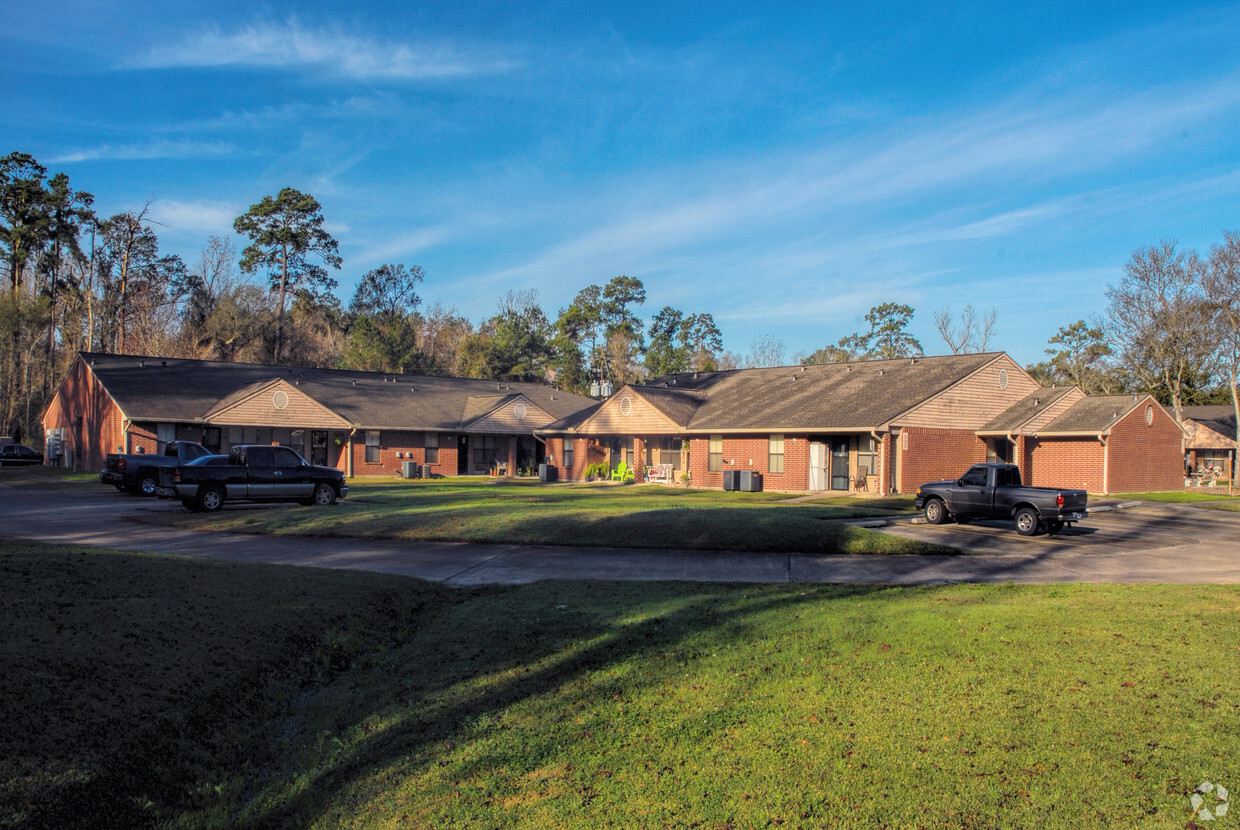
{"x": 324, "y": 495}
{"x": 1027, "y": 522}
{"x": 145, "y": 483}
{"x": 210, "y": 498}
{"x": 936, "y": 512}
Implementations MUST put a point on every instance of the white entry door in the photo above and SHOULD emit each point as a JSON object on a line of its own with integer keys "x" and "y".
{"x": 818, "y": 466}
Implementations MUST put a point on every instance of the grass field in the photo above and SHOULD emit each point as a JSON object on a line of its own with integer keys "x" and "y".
{"x": 580, "y": 515}
{"x": 157, "y": 691}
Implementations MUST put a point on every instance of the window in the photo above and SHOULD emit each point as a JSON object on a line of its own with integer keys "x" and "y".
{"x": 975, "y": 477}
{"x": 163, "y": 434}
{"x": 372, "y": 446}
{"x": 867, "y": 455}
{"x": 776, "y": 462}
{"x": 432, "y": 448}
{"x": 663, "y": 450}
{"x": 284, "y": 457}
{"x": 484, "y": 451}
{"x": 628, "y": 451}
{"x": 568, "y": 453}
{"x": 714, "y": 461}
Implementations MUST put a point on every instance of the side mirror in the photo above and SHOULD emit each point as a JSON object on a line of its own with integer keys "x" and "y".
{"x": 960, "y": 482}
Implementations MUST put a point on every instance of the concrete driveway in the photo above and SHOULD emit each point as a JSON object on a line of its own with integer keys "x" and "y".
{"x": 1149, "y": 543}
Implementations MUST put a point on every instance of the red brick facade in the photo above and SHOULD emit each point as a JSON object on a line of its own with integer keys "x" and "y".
{"x": 1145, "y": 457}
{"x": 1074, "y": 463}
{"x": 935, "y": 454}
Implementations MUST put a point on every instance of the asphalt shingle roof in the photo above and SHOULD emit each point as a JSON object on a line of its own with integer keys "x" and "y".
{"x": 820, "y": 396}
{"x": 169, "y": 389}
{"x": 1093, "y": 415}
{"x": 1026, "y": 409}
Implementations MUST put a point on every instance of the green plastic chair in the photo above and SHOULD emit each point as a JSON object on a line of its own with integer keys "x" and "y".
{"x": 622, "y": 472}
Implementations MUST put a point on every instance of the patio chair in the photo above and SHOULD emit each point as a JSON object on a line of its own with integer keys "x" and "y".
{"x": 860, "y": 480}
{"x": 622, "y": 472}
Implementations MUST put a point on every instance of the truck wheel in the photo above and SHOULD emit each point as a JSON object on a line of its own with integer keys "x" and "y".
{"x": 210, "y": 499}
{"x": 1027, "y": 521}
{"x": 1053, "y": 527}
{"x": 146, "y": 483}
{"x": 936, "y": 512}
{"x": 324, "y": 495}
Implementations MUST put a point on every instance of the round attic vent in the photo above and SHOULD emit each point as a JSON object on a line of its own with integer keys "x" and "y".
{"x": 626, "y": 405}
{"x": 1149, "y": 415}
{"x": 520, "y": 411}
{"x": 280, "y": 399}
{"x": 1003, "y": 379}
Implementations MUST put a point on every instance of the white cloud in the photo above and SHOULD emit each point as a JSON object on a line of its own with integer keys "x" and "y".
{"x": 162, "y": 149}
{"x": 199, "y": 218}
{"x": 337, "y": 52}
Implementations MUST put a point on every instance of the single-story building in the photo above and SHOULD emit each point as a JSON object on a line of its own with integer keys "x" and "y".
{"x": 1210, "y": 439}
{"x": 875, "y": 426}
{"x": 364, "y": 423}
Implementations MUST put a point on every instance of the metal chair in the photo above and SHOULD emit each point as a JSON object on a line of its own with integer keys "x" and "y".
{"x": 860, "y": 480}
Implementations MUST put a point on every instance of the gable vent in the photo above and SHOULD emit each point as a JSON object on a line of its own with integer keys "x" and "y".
{"x": 280, "y": 399}
{"x": 626, "y": 405}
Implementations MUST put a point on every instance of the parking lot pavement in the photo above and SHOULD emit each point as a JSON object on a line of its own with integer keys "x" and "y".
{"x": 1149, "y": 543}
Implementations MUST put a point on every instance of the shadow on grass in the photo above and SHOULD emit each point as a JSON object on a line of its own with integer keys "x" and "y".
{"x": 497, "y": 649}
{"x": 145, "y": 690}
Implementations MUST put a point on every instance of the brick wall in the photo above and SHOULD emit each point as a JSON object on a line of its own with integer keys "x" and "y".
{"x": 88, "y": 415}
{"x": 411, "y": 444}
{"x": 751, "y": 452}
{"x": 1145, "y": 457}
{"x": 1074, "y": 463}
{"x": 935, "y": 455}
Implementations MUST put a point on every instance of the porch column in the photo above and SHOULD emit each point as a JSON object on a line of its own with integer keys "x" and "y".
{"x": 512, "y": 455}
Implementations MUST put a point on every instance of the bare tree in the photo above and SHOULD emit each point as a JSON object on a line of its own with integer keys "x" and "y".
{"x": 1222, "y": 286}
{"x": 1157, "y": 317}
{"x": 974, "y": 332}
{"x": 765, "y": 350}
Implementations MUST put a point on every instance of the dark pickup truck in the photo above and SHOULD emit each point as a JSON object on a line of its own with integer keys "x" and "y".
{"x": 994, "y": 491}
{"x": 139, "y": 472}
{"x": 256, "y": 472}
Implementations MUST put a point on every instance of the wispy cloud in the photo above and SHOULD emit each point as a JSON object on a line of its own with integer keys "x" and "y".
{"x": 199, "y": 218}
{"x": 162, "y": 149}
{"x": 290, "y": 45}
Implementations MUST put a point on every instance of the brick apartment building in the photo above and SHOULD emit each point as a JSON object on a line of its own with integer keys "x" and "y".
{"x": 874, "y": 426}
{"x": 364, "y": 423}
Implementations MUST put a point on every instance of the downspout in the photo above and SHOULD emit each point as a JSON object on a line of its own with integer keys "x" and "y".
{"x": 348, "y": 445}
{"x": 882, "y": 460}
{"x": 1106, "y": 465}
{"x": 125, "y": 445}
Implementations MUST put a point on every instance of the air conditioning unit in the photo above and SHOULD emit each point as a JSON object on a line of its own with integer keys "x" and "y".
{"x": 409, "y": 469}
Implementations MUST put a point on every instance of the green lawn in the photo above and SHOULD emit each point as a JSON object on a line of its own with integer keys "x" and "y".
{"x": 1206, "y": 496}
{"x": 157, "y": 691}
{"x": 577, "y": 514}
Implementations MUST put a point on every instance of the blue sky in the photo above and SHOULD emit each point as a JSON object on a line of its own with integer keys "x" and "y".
{"x": 783, "y": 169}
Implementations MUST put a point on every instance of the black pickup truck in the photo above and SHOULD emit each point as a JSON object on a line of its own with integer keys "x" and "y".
{"x": 139, "y": 472}
{"x": 994, "y": 491}
{"x": 255, "y": 472}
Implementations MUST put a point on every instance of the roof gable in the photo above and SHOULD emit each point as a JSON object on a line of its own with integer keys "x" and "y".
{"x": 632, "y": 411}
{"x": 504, "y": 415}
{"x": 276, "y": 402}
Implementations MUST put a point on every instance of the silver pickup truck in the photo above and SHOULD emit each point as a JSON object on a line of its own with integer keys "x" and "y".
{"x": 994, "y": 491}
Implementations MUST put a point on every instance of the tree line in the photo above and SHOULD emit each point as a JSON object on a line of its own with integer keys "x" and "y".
{"x": 78, "y": 281}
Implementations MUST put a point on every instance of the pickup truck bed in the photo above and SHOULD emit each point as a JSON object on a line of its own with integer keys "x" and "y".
{"x": 139, "y": 472}
{"x": 994, "y": 491}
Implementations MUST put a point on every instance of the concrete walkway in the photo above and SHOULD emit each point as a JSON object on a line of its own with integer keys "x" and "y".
{"x": 1145, "y": 544}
